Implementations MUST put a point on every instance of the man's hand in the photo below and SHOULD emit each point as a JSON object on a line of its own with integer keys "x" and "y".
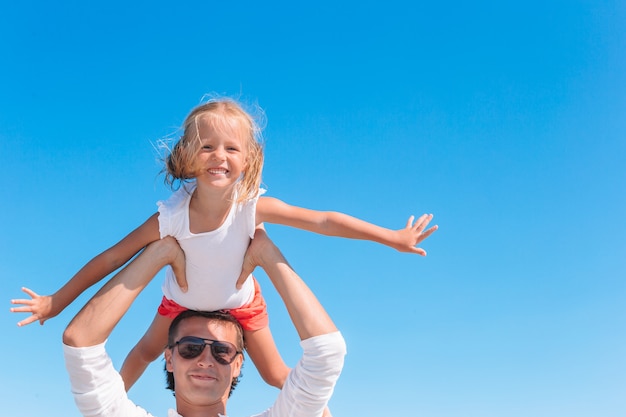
{"x": 177, "y": 263}
{"x": 259, "y": 252}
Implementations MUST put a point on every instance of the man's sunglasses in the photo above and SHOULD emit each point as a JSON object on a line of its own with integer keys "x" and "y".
{"x": 190, "y": 347}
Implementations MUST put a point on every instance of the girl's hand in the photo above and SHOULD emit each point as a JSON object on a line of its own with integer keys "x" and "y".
{"x": 39, "y": 305}
{"x": 413, "y": 234}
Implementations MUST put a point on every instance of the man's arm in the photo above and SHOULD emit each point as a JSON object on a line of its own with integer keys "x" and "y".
{"x": 95, "y": 322}
{"x": 97, "y": 387}
{"x": 311, "y": 382}
{"x": 308, "y": 315}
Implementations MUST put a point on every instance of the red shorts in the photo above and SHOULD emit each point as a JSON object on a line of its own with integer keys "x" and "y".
{"x": 252, "y": 316}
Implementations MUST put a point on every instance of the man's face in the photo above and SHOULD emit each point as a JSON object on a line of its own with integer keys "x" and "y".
{"x": 202, "y": 381}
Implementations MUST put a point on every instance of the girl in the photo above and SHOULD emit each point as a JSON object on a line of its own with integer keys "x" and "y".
{"x": 218, "y": 160}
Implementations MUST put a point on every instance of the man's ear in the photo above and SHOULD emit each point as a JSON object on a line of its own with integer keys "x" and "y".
{"x": 237, "y": 364}
{"x": 168, "y": 360}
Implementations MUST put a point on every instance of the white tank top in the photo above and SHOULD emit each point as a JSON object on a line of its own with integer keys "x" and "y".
{"x": 213, "y": 259}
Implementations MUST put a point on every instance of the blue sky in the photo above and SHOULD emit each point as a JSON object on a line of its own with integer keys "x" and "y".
{"x": 506, "y": 120}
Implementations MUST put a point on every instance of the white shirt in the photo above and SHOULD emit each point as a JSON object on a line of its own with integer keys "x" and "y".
{"x": 99, "y": 391}
{"x": 213, "y": 260}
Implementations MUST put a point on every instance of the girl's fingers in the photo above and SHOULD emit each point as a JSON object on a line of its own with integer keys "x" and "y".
{"x": 21, "y": 310}
{"x": 424, "y": 220}
{"x": 22, "y": 301}
{"x": 30, "y": 292}
{"x": 27, "y": 320}
{"x": 409, "y": 222}
{"x": 430, "y": 231}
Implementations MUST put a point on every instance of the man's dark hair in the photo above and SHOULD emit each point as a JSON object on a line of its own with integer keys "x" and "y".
{"x": 219, "y": 316}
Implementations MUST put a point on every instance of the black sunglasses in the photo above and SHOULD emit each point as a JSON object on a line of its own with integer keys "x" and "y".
{"x": 190, "y": 347}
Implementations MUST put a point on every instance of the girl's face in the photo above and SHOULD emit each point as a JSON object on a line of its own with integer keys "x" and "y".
{"x": 222, "y": 157}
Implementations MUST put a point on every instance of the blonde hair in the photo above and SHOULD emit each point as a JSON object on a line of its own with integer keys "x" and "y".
{"x": 221, "y": 114}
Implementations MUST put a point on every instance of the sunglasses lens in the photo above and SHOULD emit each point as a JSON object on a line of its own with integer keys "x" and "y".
{"x": 190, "y": 350}
{"x": 224, "y": 353}
{"x": 190, "y": 347}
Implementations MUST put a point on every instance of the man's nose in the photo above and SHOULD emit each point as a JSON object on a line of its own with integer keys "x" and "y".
{"x": 206, "y": 359}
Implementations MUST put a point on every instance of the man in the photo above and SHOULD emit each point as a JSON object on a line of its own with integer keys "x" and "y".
{"x": 204, "y": 353}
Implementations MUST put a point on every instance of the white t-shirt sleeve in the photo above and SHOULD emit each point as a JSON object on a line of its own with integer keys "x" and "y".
{"x": 311, "y": 382}
{"x": 97, "y": 387}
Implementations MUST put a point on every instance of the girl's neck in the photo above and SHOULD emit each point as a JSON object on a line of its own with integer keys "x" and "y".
{"x": 213, "y": 200}
{"x": 209, "y": 208}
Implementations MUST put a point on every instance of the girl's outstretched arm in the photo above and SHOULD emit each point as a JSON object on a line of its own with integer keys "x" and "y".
{"x": 43, "y": 307}
{"x": 331, "y": 223}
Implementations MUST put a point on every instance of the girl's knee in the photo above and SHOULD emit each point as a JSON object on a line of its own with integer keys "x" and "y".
{"x": 275, "y": 377}
{"x": 147, "y": 352}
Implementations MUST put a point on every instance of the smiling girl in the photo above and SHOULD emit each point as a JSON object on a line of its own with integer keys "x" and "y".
{"x": 218, "y": 161}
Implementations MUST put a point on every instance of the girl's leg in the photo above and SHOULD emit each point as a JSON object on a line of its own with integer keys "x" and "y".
{"x": 149, "y": 348}
{"x": 264, "y": 353}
